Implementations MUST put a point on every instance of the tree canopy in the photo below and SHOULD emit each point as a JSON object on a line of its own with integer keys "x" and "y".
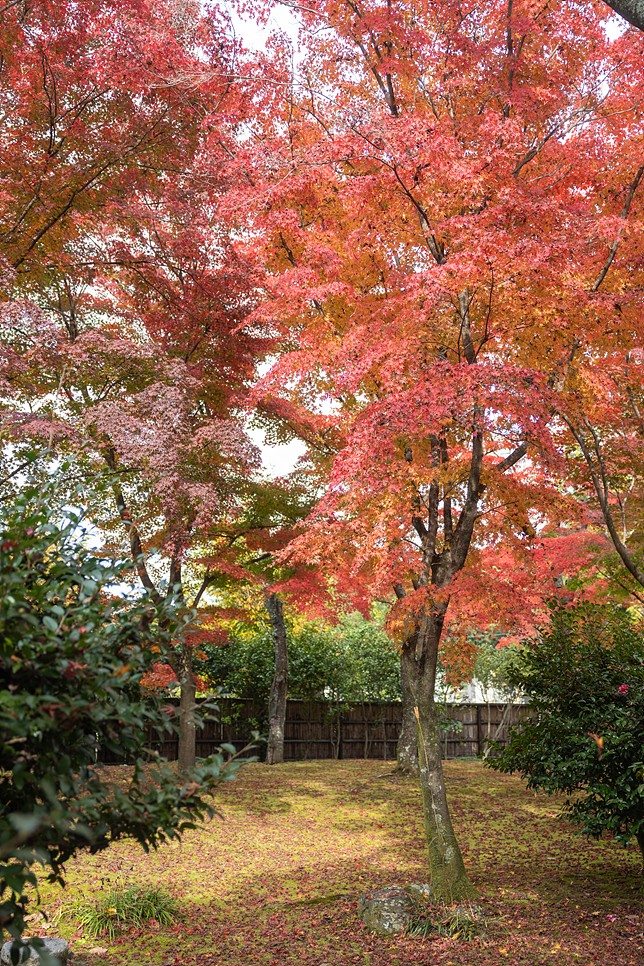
{"x": 415, "y": 244}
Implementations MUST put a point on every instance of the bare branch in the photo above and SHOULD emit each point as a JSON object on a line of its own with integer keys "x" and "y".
{"x": 517, "y": 454}
{"x": 624, "y": 215}
{"x": 602, "y": 496}
{"x": 136, "y": 546}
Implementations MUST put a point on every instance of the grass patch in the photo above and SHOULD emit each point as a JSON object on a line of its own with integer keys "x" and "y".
{"x": 276, "y": 881}
{"x": 464, "y": 922}
{"x": 124, "y": 908}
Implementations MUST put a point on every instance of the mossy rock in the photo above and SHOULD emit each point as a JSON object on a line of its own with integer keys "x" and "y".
{"x": 389, "y": 911}
{"x": 55, "y": 951}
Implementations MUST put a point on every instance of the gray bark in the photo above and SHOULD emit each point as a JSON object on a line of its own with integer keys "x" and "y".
{"x": 407, "y": 750}
{"x": 187, "y": 712}
{"x": 277, "y": 698}
{"x": 631, "y": 10}
{"x": 448, "y": 877}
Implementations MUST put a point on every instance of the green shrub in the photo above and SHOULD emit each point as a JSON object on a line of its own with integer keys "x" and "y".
{"x": 73, "y": 649}
{"x": 351, "y": 662}
{"x": 585, "y": 736}
{"x": 125, "y": 907}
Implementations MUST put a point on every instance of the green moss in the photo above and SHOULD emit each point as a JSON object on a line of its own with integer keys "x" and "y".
{"x": 276, "y": 879}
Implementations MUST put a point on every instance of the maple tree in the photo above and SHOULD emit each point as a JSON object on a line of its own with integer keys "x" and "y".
{"x": 271, "y": 514}
{"x": 264, "y": 585}
{"x": 601, "y": 409}
{"x": 123, "y": 337}
{"x": 442, "y": 193}
{"x": 271, "y": 520}
{"x": 441, "y": 206}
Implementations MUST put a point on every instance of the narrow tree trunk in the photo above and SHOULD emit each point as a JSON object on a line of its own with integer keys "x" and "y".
{"x": 277, "y": 699}
{"x": 448, "y": 877}
{"x": 407, "y": 751}
{"x": 505, "y": 717}
{"x": 640, "y": 841}
{"x": 187, "y": 712}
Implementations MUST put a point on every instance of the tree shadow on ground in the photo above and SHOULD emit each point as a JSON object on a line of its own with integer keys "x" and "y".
{"x": 276, "y": 881}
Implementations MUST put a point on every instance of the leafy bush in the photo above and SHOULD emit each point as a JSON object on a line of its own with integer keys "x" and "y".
{"x": 585, "y": 681}
{"x": 493, "y": 668}
{"x": 72, "y": 654}
{"x": 347, "y": 664}
{"x": 123, "y": 907}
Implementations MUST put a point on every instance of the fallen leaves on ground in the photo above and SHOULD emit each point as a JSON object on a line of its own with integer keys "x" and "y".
{"x": 275, "y": 882}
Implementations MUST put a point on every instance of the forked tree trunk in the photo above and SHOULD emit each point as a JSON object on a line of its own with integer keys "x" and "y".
{"x": 448, "y": 877}
{"x": 407, "y": 750}
{"x": 187, "y": 711}
{"x": 505, "y": 717}
{"x": 277, "y": 698}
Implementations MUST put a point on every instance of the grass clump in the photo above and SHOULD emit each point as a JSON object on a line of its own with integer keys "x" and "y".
{"x": 462, "y": 922}
{"x": 125, "y": 907}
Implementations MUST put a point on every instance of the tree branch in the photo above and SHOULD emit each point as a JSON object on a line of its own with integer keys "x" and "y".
{"x": 517, "y": 454}
{"x": 136, "y": 546}
{"x": 624, "y": 215}
{"x": 467, "y": 519}
{"x": 602, "y": 497}
{"x": 208, "y": 579}
{"x": 465, "y": 334}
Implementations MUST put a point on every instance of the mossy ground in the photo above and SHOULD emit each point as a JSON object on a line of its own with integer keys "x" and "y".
{"x": 276, "y": 879}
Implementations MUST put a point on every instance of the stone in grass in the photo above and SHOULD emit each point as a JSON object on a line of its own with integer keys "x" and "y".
{"x": 57, "y": 950}
{"x": 389, "y": 911}
{"x": 421, "y": 892}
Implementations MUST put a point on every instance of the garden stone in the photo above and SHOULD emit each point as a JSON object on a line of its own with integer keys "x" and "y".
{"x": 388, "y": 911}
{"x": 57, "y": 949}
{"x": 421, "y": 892}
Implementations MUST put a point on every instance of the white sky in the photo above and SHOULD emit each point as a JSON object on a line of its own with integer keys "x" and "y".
{"x": 277, "y": 460}
{"x": 254, "y": 36}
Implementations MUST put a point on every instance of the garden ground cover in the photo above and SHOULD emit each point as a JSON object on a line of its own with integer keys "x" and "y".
{"x": 275, "y": 880}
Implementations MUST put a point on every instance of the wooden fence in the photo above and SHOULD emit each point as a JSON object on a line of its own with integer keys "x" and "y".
{"x": 322, "y": 730}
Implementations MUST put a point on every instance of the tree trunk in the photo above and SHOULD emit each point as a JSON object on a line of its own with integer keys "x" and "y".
{"x": 277, "y": 699}
{"x": 407, "y": 751}
{"x": 631, "y": 10}
{"x": 187, "y": 712}
{"x": 448, "y": 877}
{"x": 505, "y": 717}
{"x": 640, "y": 841}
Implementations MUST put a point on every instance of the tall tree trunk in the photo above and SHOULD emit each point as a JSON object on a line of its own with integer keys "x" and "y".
{"x": 448, "y": 877}
{"x": 505, "y": 718}
{"x": 187, "y": 711}
{"x": 407, "y": 751}
{"x": 631, "y": 10}
{"x": 640, "y": 841}
{"x": 277, "y": 699}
